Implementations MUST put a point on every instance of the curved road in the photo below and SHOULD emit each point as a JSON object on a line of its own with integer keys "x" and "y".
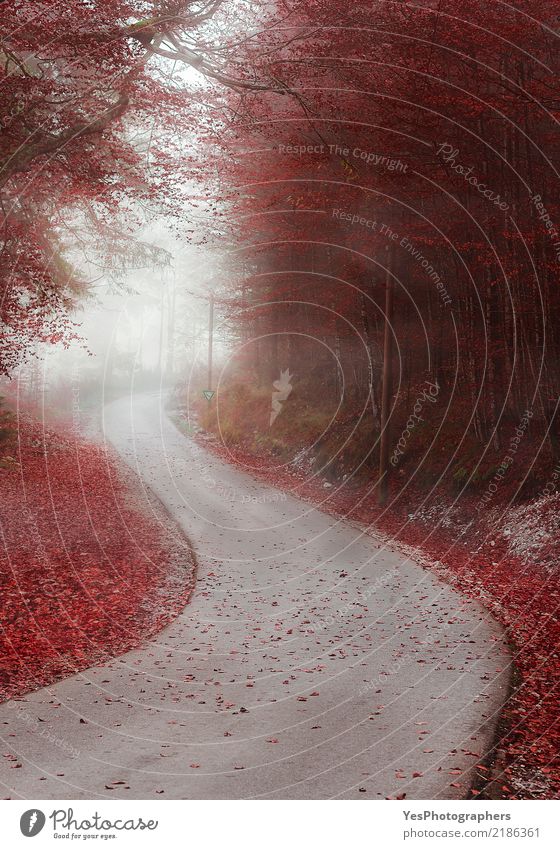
{"x": 312, "y": 662}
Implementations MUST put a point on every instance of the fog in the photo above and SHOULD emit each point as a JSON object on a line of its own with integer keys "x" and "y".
{"x": 143, "y": 329}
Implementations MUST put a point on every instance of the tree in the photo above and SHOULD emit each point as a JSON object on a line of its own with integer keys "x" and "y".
{"x": 97, "y": 102}
{"x": 438, "y": 125}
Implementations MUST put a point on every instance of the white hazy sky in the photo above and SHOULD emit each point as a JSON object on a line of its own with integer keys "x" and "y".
{"x": 127, "y": 322}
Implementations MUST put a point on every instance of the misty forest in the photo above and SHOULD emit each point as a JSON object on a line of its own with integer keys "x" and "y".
{"x": 279, "y": 399}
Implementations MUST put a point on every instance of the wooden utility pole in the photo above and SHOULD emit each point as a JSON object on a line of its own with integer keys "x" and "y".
{"x": 210, "y": 339}
{"x": 170, "y": 364}
{"x": 387, "y": 391}
{"x": 161, "y": 330}
{"x": 140, "y": 355}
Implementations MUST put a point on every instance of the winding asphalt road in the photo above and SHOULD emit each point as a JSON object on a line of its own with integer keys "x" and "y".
{"x": 313, "y": 661}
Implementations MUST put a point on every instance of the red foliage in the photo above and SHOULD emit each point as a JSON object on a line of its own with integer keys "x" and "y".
{"x": 427, "y": 130}
{"x": 84, "y": 567}
{"x": 93, "y": 120}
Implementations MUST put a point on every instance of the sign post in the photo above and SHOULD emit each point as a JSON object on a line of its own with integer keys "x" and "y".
{"x": 382, "y": 487}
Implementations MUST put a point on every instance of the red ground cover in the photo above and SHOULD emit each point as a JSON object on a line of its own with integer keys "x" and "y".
{"x": 523, "y": 595}
{"x": 87, "y": 570}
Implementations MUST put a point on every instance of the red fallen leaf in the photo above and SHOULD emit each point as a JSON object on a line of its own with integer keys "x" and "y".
{"x": 272, "y": 740}
{"x": 454, "y": 784}
{"x": 314, "y": 693}
{"x": 301, "y": 699}
{"x": 195, "y": 766}
{"x": 427, "y": 751}
{"x": 99, "y": 563}
{"x": 417, "y": 774}
{"x": 239, "y": 767}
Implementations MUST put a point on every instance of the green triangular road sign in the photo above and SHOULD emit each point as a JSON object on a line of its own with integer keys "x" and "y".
{"x": 208, "y": 394}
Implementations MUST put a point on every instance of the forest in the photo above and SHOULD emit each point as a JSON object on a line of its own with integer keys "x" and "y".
{"x": 336, "y": 230}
